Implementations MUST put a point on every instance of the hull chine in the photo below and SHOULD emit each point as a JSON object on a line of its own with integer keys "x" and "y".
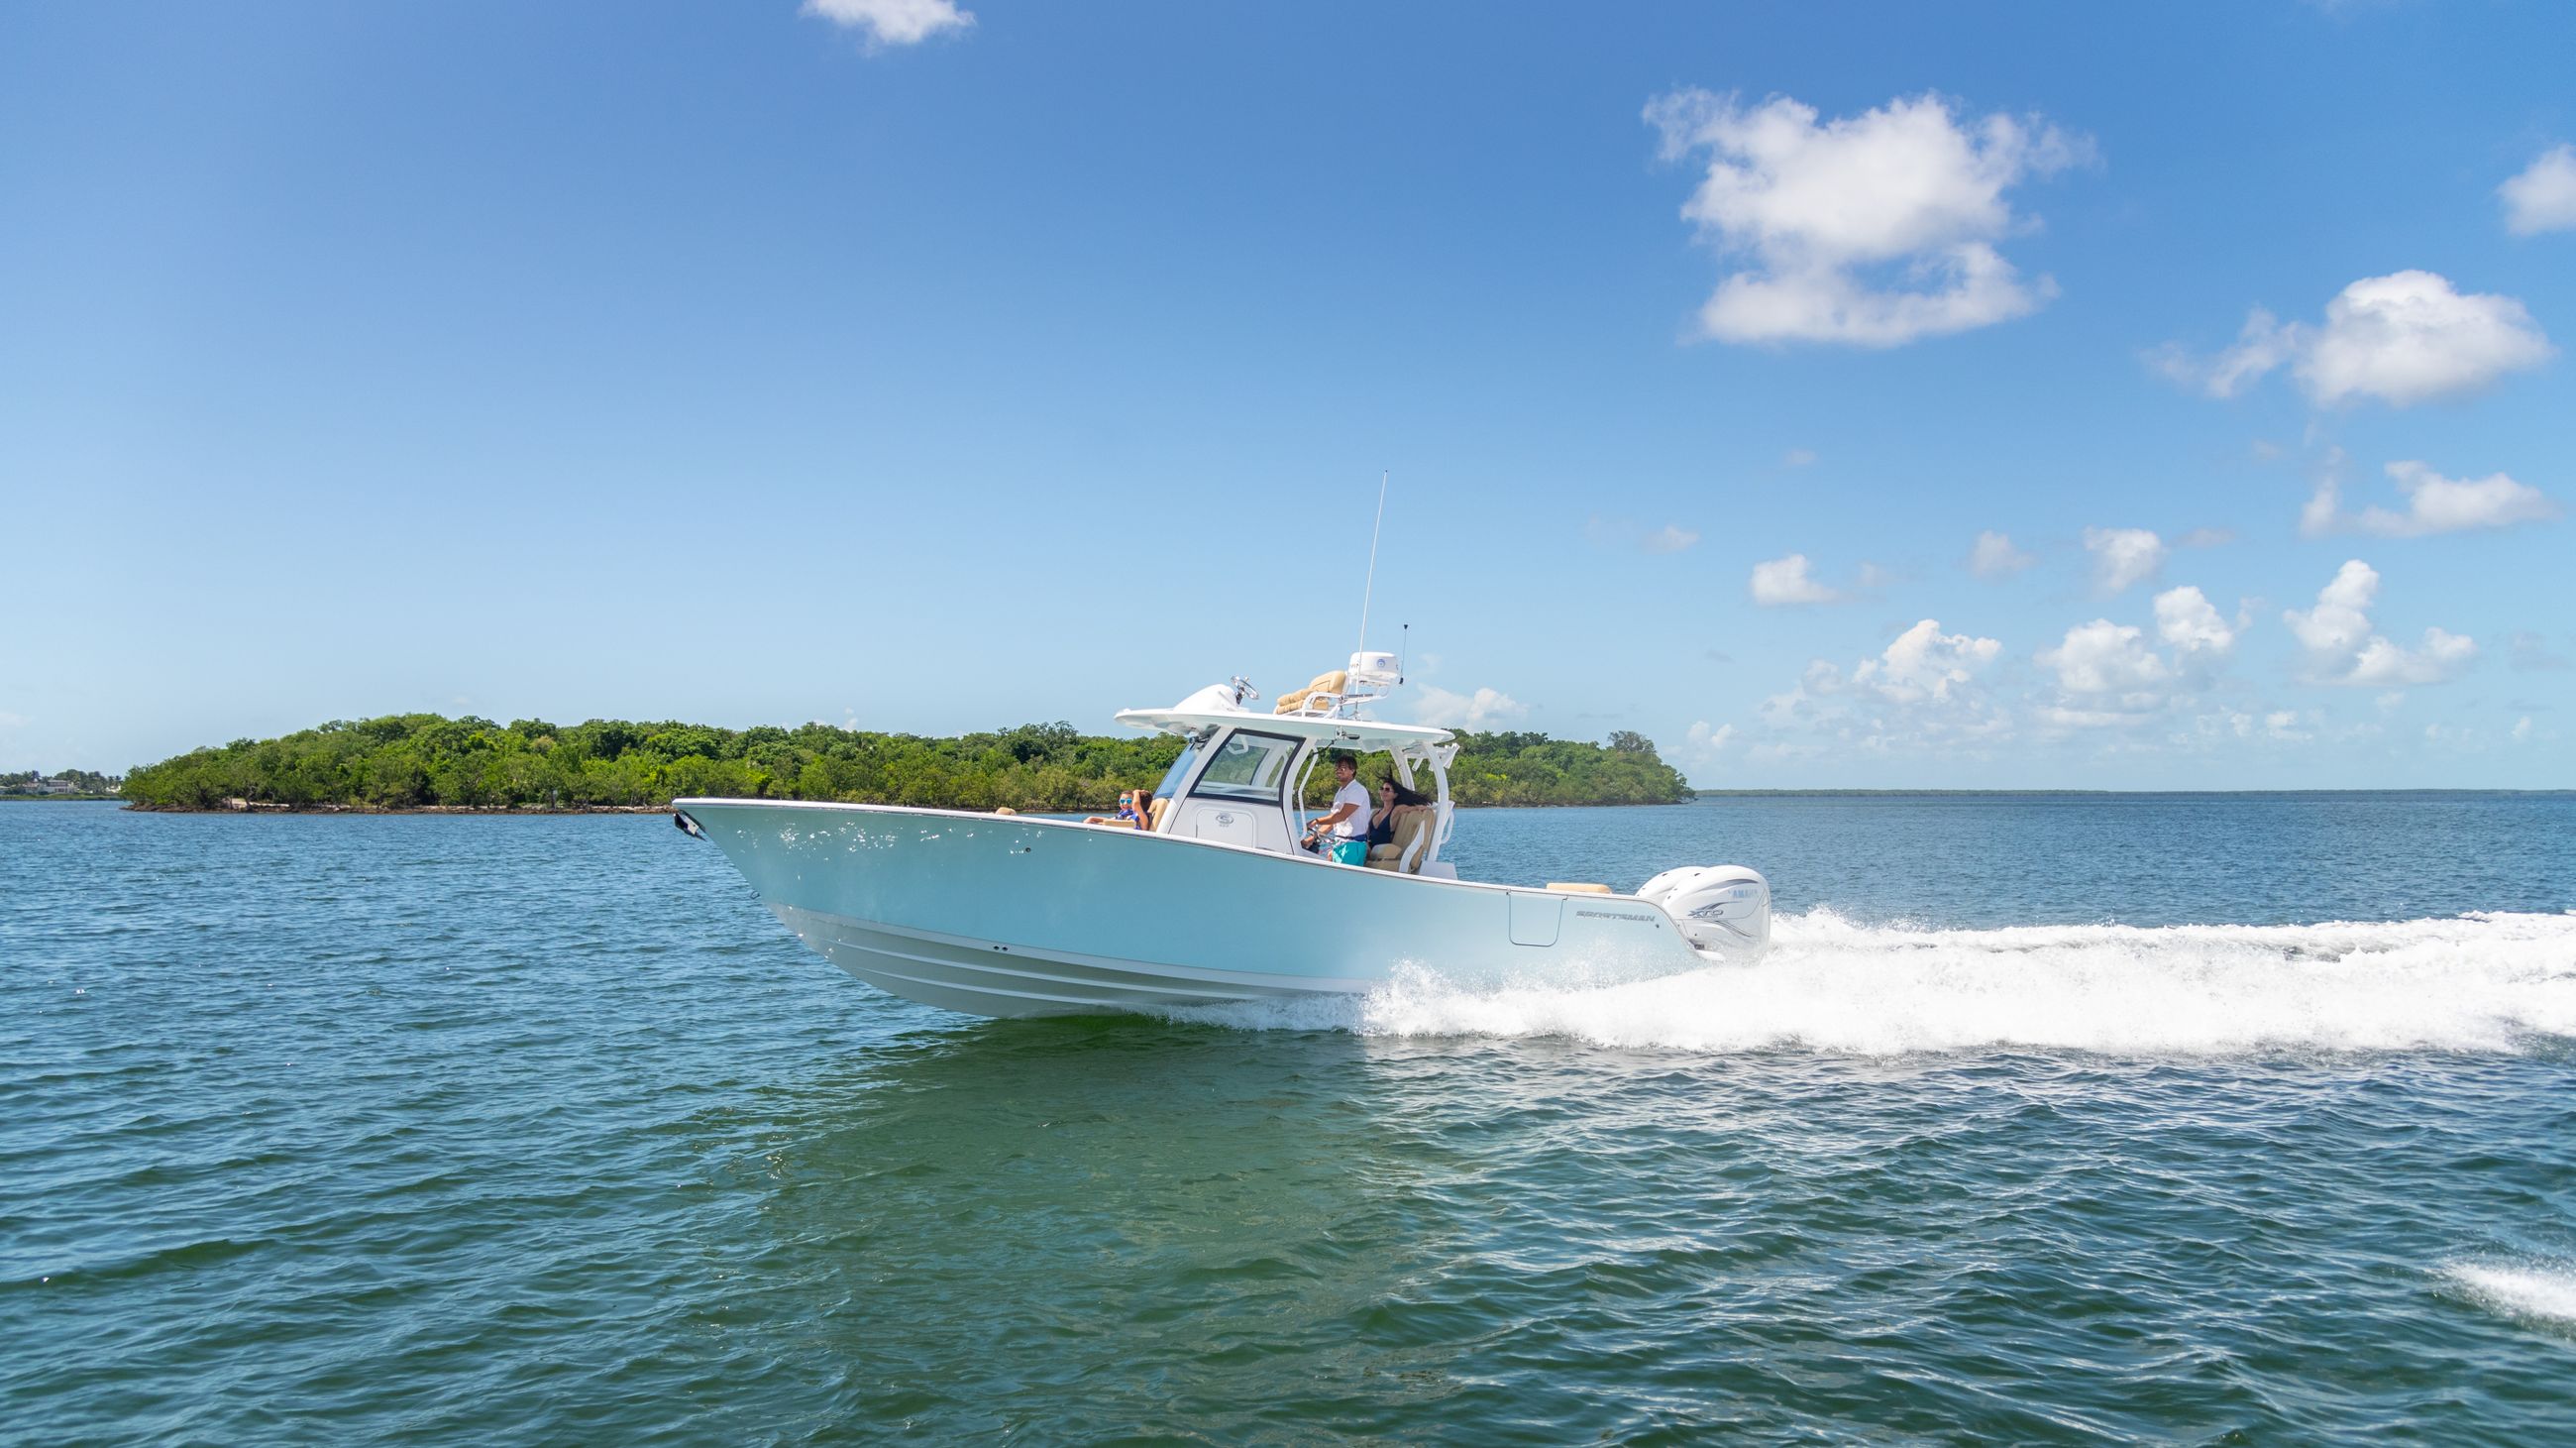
{"x": 989, "y": 978}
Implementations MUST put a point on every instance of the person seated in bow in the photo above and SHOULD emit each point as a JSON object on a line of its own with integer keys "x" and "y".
{"x": 1135, "y": 810}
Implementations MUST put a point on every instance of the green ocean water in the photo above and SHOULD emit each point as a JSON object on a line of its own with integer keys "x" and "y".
{"x": 2224, "y": 1118}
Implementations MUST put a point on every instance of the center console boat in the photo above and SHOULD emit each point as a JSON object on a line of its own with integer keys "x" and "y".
{"x": 1212, "y": 901}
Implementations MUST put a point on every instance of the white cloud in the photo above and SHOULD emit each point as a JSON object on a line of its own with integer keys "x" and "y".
{"x": 2123, "y": 556}
{"x": 1925, "y": 663}
{"x": 2522, "y": 726}
{"x": 2189, "y": 624}
{"x": 1705, "y": 743}
{"x": 2109, "y": 674}
{"x": 2103, "y": 657}
{"x": 2409, "y": 338}
{"x": 2436, "y": 504}
{"x": 2543, "y": 197}
{"x": 893, "y": 22}
{"x": 1788, "y": 580}
{"x": 1870, "y": 230}
{"x": 1922, "y": 690}
{"x": 2206, "y": 538}
{"x": 1994, "y": 556}
{"x": 2278, "y": 726}
{"x": 1483, "y": 709}
{"x": 1798, "y": 457}
{"x": 2261, "y": 345}
{"x": 2442, "y": 657}
{"x": 1670, "y": 538}
{"x": 2340, "y": 621}
{"x": 2342, "y": 649}
{"x": 2404, "y": 338}
{"x": 2323, "y": 513}
{"x": 2058, "y": 716}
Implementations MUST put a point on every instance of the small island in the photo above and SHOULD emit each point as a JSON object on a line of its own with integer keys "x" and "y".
{"x": 428, "y": 762}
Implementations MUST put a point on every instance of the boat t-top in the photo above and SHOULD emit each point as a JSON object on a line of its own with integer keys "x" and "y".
{"x": 1209, "y": 899}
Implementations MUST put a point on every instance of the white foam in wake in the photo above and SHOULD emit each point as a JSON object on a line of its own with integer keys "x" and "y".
{"x": 2487, "y": 983}
{"x": 2535, "y": 1293}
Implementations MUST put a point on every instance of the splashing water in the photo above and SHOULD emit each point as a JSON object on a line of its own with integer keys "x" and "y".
{"x": 2535, "y": 1292}
{"x": 2479, "y": 983}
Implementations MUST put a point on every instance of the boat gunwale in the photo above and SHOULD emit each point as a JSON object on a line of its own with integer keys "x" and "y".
{"x": 1297, "y": 858}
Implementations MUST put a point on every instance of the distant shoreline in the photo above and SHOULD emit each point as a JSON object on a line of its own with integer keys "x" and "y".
{"x": 534, "y": 810}
{"x": 261, "y": 807}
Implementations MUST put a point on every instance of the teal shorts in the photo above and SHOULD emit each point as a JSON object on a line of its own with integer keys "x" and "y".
{"x": 1349, "y": 852}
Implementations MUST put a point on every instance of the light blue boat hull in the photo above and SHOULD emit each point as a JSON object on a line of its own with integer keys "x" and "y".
{"x": 1002, "y": 915}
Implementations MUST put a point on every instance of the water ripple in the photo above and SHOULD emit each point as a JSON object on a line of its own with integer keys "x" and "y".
{"x": 499, "y": 1130}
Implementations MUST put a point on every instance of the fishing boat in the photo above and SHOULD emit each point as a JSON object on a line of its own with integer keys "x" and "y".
{"x": 1208, "y": 898}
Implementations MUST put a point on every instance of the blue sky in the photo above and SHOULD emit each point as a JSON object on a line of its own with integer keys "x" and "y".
{"x": 937, "y": 368}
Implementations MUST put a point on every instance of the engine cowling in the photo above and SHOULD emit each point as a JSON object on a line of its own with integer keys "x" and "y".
{"x": 1721, "y": 908}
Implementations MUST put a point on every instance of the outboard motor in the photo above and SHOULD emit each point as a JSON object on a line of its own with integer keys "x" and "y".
{"x": 1721, "y": 908}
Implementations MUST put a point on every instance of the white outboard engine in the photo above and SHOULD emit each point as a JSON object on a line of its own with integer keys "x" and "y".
{"x": 1725, "y": 909}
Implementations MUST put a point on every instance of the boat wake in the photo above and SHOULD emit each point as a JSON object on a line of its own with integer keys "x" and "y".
{"x": 2529, "y": 1292}
{"x": 2493, "y": 983}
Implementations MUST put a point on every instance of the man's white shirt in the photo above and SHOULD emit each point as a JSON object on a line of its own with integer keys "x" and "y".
{"x": 1356, "y": 826}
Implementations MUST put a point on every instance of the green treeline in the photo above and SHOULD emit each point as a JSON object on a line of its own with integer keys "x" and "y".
{"x": 1505, "y": 767}
{"x": 412, "y": 761}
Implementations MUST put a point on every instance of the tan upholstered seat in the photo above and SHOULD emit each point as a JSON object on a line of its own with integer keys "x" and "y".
{"x": 1154, "y": 815}
{"x": 1414, "y": 825}
{"x": 1573, "y": 889}
{"x": 1295, "y": 699}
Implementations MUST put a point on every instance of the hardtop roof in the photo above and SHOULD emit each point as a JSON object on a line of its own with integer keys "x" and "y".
{"x": 1365, "y": 735}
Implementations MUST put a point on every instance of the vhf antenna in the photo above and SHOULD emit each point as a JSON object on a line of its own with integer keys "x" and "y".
{"x": 1371, "y": 586}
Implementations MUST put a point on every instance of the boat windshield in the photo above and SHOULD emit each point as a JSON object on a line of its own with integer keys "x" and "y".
{"x": 1248, "y": 767}
{"x": 1173, "y": 777}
